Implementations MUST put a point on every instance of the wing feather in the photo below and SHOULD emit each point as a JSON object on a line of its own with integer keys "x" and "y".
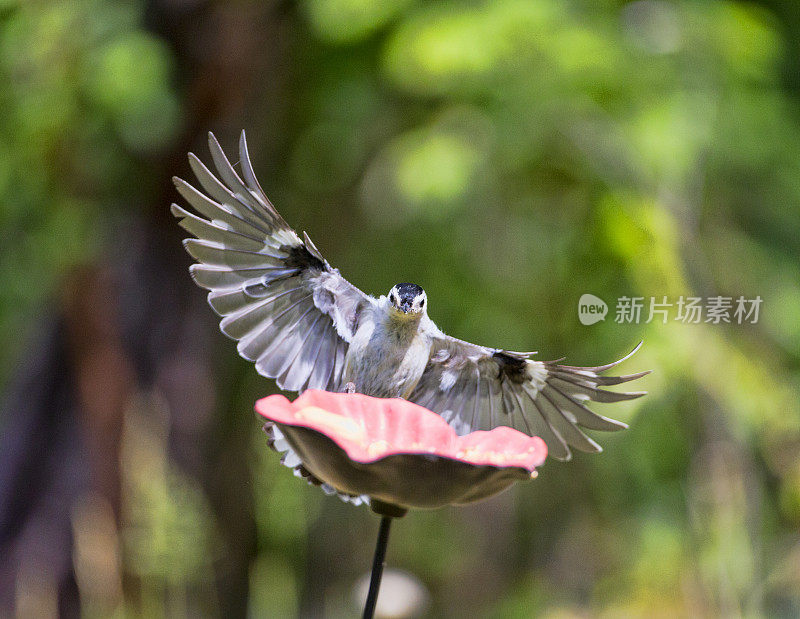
{"x": 218, "y": 254}
{"x": 258, "y": 316}
{"x": 587, "y": 390}
{"x": 323, "y": 364}
{"x": 475, "y": 383}
{"x": 292, "y": 313}
{"x": 288, "y": 339}
{"x": 566, "y": 428}
{"x": 556, "y": 445}
{"x": 335, "y": 382}
{"x": 227, "y": 302}
{"x": 297, "y": 369}
{"x": 250, "y": 175}
{"x": 219, "y": 211}
{"x": 582, "y": 415}
{"x": 225, "y": 169}
{"x": 475, "y": 387}
{"x": 213, "y": 187}
{"x": 263, "y": 339}
{"x": 215, "y": 231}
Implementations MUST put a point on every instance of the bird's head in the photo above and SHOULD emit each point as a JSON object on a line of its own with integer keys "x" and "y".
{"x": 407, "y": 300}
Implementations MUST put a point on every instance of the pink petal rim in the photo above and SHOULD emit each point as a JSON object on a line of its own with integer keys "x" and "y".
{"x": 369, "y": 429}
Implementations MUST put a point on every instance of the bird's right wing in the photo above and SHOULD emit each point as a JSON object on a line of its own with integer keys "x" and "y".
{"x": 293, "y": 314}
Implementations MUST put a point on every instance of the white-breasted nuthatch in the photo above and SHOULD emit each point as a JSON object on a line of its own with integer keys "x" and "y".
{"x": 307, "y": 327}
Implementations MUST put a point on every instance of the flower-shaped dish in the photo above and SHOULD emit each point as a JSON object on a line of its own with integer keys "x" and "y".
{"x": 398, "y": 452}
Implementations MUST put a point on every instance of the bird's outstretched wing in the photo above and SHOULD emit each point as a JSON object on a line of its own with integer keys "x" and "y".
{"x": 293, "y": 314}
{"x": 478, "y": 388}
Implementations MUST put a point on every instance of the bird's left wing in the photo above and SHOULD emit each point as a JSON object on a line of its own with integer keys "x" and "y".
{"x": 478, "y": 388}
{"x": 293, "y": 314}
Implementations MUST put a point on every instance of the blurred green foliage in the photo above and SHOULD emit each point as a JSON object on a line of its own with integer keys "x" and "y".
{"x": 508, "y": 156}
{"x": 86, "y": 94}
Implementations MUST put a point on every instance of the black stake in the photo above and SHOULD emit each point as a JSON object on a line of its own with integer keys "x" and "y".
{"x": 377, "y": 567}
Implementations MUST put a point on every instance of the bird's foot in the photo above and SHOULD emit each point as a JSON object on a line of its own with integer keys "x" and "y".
{"x": 350, "y": 387}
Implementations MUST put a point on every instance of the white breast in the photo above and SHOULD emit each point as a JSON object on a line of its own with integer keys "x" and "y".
{"x": 386, "y": 360}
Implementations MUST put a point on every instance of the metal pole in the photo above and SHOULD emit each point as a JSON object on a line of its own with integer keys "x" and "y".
{"x": 377, "y": 567}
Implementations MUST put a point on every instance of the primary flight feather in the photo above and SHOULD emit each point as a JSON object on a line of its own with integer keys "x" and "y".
{"x": 307, "y": 327}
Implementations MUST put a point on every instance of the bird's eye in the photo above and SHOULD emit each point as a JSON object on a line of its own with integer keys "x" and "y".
{"x": 422, "y": 303}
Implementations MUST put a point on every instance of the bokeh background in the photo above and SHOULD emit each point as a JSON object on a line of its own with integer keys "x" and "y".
{"x": 507, "y": 155}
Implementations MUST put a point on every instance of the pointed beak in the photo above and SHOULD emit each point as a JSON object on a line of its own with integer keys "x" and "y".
{"x": 405, "y": 305}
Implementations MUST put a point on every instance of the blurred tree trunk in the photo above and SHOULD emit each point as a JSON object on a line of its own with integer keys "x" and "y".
{"x": 135, "y": 323}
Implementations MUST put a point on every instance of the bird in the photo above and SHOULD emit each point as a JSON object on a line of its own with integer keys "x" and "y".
{"x": 304, "y": 325}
